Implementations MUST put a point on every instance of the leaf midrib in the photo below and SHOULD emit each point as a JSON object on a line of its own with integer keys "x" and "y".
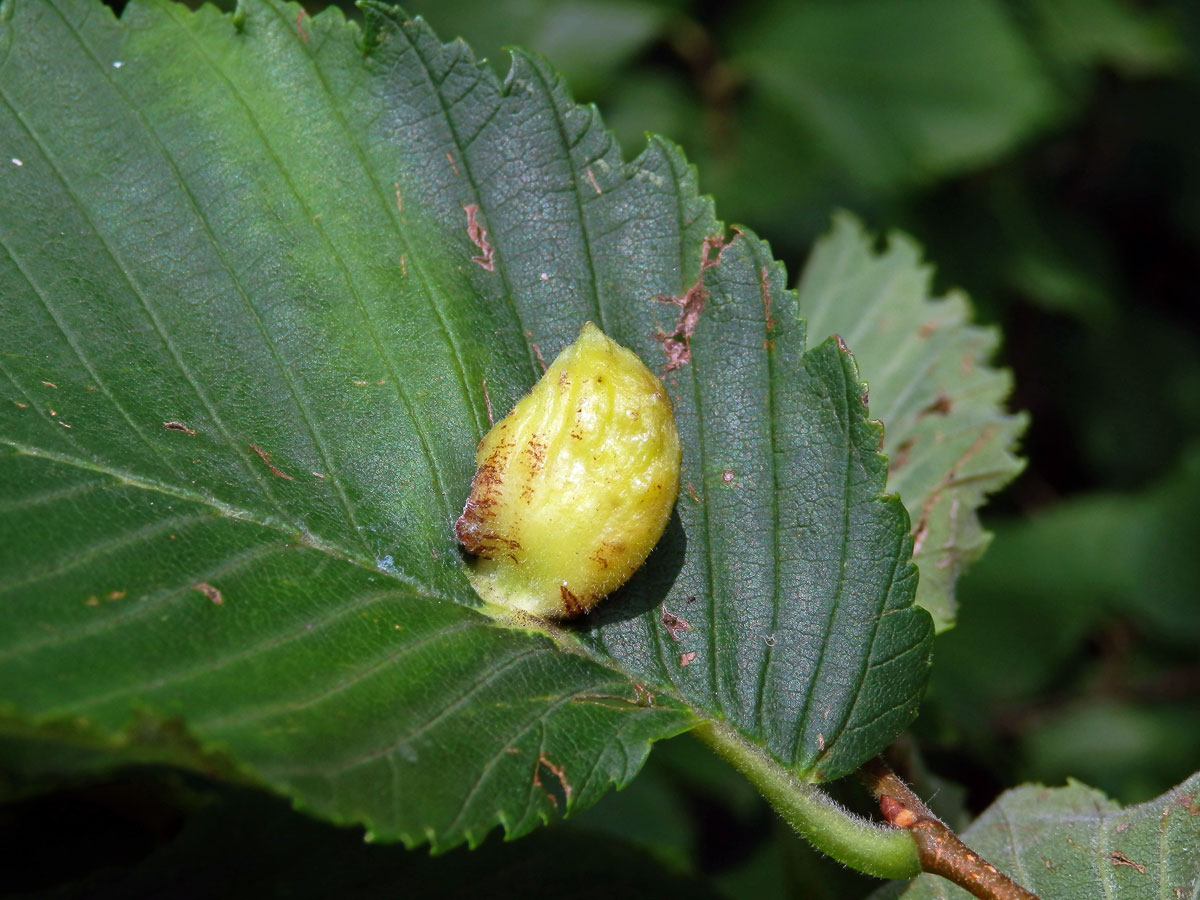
{"x": 300, "y": 536}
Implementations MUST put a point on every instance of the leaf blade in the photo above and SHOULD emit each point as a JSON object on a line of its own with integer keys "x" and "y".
{"x": 291, "y": 363}
{"x": 949, "y": 440}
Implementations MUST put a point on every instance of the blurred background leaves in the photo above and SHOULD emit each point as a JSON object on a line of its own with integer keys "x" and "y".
{"x": 1046, "y": 154}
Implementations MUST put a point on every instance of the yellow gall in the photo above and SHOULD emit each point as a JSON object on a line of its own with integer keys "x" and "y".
{"x": 574, "y": 487}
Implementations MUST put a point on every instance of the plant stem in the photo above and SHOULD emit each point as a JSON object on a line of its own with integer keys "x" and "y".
{"x": 941, "y": 851}
{"x": 879, "y": 850}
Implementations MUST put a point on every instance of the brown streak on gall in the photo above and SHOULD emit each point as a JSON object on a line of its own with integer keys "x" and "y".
{"x": 571, "y": 604}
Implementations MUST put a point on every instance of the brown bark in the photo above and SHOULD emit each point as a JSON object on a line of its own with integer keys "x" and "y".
{"x": 940, "y": 850}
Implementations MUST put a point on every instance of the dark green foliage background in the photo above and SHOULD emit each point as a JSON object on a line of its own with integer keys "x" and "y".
{"x": 1043, "y": 152}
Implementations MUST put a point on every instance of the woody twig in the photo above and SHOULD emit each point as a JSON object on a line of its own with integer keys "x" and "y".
{"x": 940, "y": 850}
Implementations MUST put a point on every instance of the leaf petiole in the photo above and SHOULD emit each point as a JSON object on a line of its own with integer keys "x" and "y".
{"x": 880, "y": 850}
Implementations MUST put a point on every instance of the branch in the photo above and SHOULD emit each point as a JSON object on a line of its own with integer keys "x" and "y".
{"x": 939, "y": 849}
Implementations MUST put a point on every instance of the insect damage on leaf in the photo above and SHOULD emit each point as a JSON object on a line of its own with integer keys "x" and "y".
{"x": 574, "y": 487}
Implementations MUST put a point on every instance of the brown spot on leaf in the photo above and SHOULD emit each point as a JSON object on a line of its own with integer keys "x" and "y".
{"x": 559, "y": 773}
{"x": 592, "y": 180}
{"x": 921, "y": 529}
{"x": 478, "y": 235}
{"x": 727, "y": 476}
{"x": 450, "y": 159}
{"x": 21, "y": 405}
{"x": 266, "y": 457}
{"x": 116, "y": 595}
{"x": 399, "y": 198}
{"x": 300, "y": 26}
{"x": 677, "y": 344}
{"x": 178, "y": 426}
{"x": 686, "y": 659}
{"x": 50, "y": 384}
{"x": 1120, "y": 859}
{"x": 902, "y": 454}
{"x": 927, "y": 329}
{"x": 766, "y": 298}
{"x": 939, "y": 407}
{"x": 487, "y": 401}
{"x": 674, "y": 624}
{"x": 210, "y": 592}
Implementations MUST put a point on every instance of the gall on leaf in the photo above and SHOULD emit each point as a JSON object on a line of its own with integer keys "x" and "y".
{"x": 574, "y": 487}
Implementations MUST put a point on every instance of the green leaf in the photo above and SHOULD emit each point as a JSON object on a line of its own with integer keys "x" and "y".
{"x": 267, "y": 284}
{"x": 898, "y": 93}
{"x": 588, "y": 41}
{"x": 1117, "y": 33}
{"x": 948, "y": 439}
{"x": 1073, "y": 843}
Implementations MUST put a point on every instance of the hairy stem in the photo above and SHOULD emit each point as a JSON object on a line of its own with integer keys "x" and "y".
{"x": 879, "y": 850}
{"x": 941, "y": 851}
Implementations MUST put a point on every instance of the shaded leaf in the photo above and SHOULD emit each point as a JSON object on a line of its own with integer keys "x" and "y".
{"x": 948, "y": 439}
{"x": 236, "y": 843}
{"x": 586, "y": 40}
{"x": 1117, "y": 33}
{"x": 897, "y": 94}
